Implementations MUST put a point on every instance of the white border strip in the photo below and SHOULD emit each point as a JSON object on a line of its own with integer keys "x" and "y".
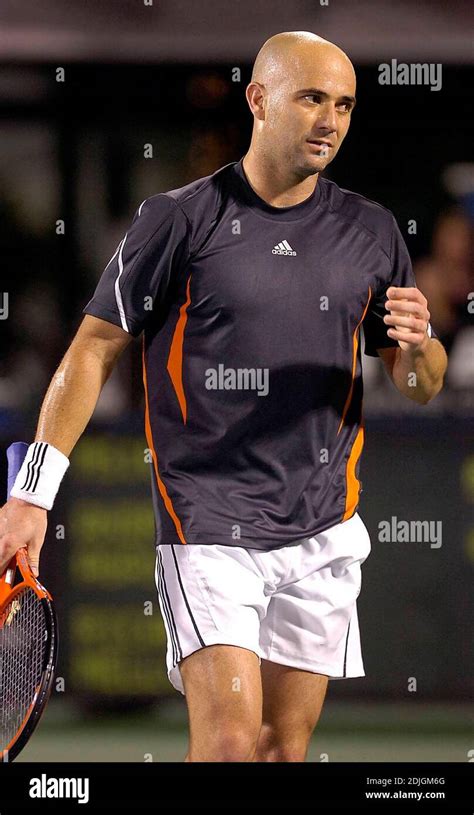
{"x": 118, "y": 293}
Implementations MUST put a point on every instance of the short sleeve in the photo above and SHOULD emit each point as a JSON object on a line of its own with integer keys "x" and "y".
{"x": 401, "y": 274}
{"x": 137, "y": 278}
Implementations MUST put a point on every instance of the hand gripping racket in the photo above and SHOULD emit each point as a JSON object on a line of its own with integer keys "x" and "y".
{"x": 28, "y": 642}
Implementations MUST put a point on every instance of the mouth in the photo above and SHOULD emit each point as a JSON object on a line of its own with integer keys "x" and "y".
{"x": 321, "y": 145}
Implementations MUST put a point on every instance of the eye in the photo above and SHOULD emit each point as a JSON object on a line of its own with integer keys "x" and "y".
{"x": 346, "y": 106}
{"x": 312, "y": 96}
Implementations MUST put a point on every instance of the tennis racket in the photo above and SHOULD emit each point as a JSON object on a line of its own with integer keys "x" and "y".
{"x": 28, "y": 642}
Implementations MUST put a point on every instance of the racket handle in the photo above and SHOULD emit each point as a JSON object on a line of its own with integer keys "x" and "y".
{"x": 15, "y": 455}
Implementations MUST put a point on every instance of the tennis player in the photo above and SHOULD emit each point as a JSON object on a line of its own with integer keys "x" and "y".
{"x": 251, "y": 287}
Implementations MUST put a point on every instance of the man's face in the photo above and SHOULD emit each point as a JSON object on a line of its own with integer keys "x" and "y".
{"x": 308, "y": 111}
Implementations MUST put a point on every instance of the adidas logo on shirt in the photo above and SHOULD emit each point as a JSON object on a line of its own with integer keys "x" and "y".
{"x": 283, "y": 248}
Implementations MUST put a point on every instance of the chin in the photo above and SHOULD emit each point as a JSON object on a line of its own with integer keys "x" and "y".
{"x": 313, "y": 165}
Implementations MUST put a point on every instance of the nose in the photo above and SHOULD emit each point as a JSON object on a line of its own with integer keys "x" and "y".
{"x": 327, "y": 117}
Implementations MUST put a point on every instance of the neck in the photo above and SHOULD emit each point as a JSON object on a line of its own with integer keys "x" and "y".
{"x": 276, "y": 184}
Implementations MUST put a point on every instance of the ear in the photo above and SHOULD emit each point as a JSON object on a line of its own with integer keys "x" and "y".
{"x": 255, "y": 93}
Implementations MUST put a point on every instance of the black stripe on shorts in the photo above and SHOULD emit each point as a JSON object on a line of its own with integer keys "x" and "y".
{"x": 177, "y": 652}
{"x": 345, "y": 650}
{"x": 184, "y": 595}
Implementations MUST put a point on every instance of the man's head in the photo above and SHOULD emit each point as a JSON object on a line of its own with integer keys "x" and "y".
{"x": 301, "y": 95}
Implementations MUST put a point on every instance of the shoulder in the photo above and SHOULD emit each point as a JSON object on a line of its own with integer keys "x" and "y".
{"x": 362, "y": 212}
{"x": 206, "y": 189}
{"x": 195, "y": 204}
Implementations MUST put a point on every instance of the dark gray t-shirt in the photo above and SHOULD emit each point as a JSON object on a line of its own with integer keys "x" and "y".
{"x": 251, "y": 318}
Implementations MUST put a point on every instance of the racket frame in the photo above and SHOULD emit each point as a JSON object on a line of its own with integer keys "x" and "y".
{"x": 8, "y": 591}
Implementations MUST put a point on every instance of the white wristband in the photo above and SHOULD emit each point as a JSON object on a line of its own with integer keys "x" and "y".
{"x": 40, "y": 475}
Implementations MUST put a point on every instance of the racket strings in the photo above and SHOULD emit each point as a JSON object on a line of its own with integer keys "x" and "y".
{"x": 23, "y": 638}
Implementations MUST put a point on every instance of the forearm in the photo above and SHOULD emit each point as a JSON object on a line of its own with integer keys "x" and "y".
{"x": 71, "y": 397}
{"x": 419, "y": 374}
{"x": 66, "y": 410}
{"x": 67, "y": 407}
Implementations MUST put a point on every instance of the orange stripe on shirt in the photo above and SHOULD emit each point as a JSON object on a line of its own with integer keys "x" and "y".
{"x": 352, "y": 482}
{"x": 175, "y": 358}
{"x": 149, "y": 437}
{"x": 355, "y": 345}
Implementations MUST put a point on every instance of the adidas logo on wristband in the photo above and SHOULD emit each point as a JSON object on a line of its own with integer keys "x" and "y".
{"x": 40, "y": 475}
{"x": 34, "y": 466}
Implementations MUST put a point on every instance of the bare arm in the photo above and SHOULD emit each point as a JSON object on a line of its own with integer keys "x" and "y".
{"x": 75, "y": 387}
{"x": 418, "y": 374}
{"x": 417, "y": 366}
{"x": 66, "y": 410}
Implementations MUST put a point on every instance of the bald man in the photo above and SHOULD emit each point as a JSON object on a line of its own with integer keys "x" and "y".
{"x": 260, "y": 278}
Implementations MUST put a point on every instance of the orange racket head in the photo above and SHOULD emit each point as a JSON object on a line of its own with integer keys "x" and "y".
{"x": 19, "y": 574}
{"x": 28, "y": 654}
{"x": 28, "y": 643}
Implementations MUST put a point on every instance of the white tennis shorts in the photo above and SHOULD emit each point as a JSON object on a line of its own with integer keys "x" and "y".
{"x": 295, "y": 605}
